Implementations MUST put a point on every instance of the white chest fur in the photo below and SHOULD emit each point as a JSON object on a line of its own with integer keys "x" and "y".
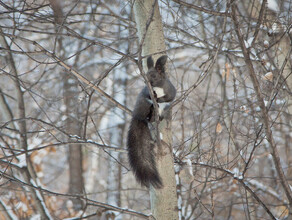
{"x": 159, "y": 91}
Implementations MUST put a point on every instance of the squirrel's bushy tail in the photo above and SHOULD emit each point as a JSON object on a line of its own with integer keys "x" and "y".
{"x": 141, "y": 155}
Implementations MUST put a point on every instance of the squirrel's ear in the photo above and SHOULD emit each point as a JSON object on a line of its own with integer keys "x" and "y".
{"x": 150, "y": 62}
{"x": 160, "y": 63}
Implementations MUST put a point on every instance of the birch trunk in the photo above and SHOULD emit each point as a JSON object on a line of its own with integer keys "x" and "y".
{"x": 117, "y": 129}
{"x": 150, "y": 32}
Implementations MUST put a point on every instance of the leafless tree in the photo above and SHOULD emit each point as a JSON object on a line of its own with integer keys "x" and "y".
{"x": 70, "y": 73}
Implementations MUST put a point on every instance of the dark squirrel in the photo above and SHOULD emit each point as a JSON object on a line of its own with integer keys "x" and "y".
{"x": 139, "y": 142}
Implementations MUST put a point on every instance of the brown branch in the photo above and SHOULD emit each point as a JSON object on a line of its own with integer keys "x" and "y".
{"x": 199, "y": 8}
{"x": 29, "y": 173}
{"x": 88, "y": 201}
{"x": 242, "y": 182}
{"x": 82, "y": 78}
{"x": 74, "y": 72}
{"x": 263, "y": 109}
{"x": 259, "y": 23}
{"x": 204, "y": 73}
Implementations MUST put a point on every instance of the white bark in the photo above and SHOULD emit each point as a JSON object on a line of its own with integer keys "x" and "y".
{"x": 116, "y": 126}
{"x": 147, "y": 13}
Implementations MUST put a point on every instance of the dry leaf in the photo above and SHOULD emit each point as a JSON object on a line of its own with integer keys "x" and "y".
{"x": 226, "y": 72}
{"x": 52, "y": 149}
{"x": 38, "y": 168}
{"x": 218, "y": 128}
{"x": 282, "y": 211}
{"x": 268, "y": 76}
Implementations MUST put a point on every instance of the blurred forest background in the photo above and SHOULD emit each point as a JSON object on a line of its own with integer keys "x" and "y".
{"x": 69, "y": 75}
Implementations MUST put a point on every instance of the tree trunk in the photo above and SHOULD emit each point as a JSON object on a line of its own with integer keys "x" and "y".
{"x": 150, "y": 31}
{"x": 73, "y": 127}
{"x": 73, "y": 116}
{"x": 117, "y": 129}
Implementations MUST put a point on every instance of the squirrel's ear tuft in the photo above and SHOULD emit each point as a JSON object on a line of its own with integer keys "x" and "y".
{"x": 150, "y": 62}
{"x": 160, "y": 63}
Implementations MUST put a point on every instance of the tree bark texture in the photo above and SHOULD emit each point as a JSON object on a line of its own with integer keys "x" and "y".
{"x": 73, "y": 116}
{"x": 116, "y": 125}
{"x": 73, "y": 127}
{"x": 151, "y": 37}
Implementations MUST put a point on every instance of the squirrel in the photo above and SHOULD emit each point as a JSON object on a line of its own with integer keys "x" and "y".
{"x": 139, "y": 142}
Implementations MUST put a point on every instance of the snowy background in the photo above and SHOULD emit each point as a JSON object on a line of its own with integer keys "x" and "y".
{"x": 65, "y": 64}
